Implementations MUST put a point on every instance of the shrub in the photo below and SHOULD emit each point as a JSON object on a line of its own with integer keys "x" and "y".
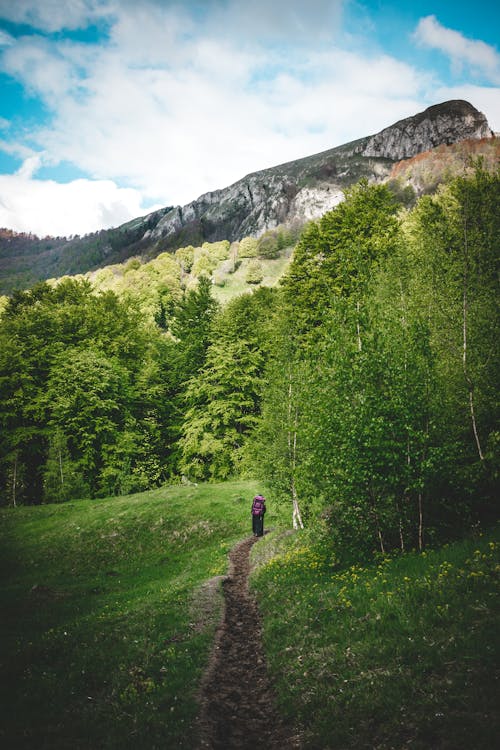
{"x": 248, "y": 248}
{"x": 254, "y": 274}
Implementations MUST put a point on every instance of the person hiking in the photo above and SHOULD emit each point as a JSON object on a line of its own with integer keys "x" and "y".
{"x": 258, "y": 510}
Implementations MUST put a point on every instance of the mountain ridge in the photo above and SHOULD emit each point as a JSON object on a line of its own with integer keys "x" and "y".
{"x": 290, "y": 193}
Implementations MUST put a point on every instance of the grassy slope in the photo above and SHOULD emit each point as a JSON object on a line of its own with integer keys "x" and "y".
{"x": 400, "y": 654}
{"x": 235, "y": 284}
{"x": 105, "y": 629}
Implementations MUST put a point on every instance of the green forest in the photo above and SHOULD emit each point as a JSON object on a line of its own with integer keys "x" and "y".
{"x": 363, "y": 387}
{"x": 143, "y": 406}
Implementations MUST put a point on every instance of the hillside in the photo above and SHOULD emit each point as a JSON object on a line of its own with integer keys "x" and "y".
{"x": 290, "y": 193}
{"x": 109, "y": 612}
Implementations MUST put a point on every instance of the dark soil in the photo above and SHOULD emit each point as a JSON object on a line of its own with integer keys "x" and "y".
{"x": 238, "y": 708}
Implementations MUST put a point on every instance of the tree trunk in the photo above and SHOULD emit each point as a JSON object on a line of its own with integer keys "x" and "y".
{"x": 296, "y": 515}
{"x": 400, "y": 525}
{"x": 420, "y": 523}
{"x": 465, "y": 309}
{"x": 377, "y": 521}
{"x": 292, "y": 456}
{"x": 61, "y": 468}
{"x": 14, "y": 483}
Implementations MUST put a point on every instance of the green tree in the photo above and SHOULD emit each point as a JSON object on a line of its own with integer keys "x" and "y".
{"x": 254, "y": 273}
{"x": 204, "y": 264}
{"x": 87, "y": 400}
{"x": 268, "y": 245}
{"x": 337, "y": 256}
{"x": 247, "y": 248}
{"x": 217, "y": 250}
{"x": 223, "y": 407}
{"x": 223, "y": 400}
{"x": 185, "y": 258}
{"x": 37, "y": 331}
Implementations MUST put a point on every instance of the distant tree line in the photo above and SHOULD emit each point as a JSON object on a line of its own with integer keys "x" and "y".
{"x": 364, "y": 389}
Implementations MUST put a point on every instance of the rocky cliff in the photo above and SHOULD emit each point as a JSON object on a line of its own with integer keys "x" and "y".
{"x": 306, "y": 188}
{"x": 441, "y": 124}
{"x": 289, "y": 193}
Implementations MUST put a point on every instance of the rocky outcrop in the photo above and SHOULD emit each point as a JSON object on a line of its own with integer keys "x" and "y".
{"x": 446, "y": 123}
{"x": 306, "y": 188}
{"x": 289, "y": 193}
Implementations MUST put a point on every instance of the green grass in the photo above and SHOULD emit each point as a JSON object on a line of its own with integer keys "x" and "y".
{"x": 403, "y": 653}
{"x": 106, "y": 626}
{"x": 235, "y": 283}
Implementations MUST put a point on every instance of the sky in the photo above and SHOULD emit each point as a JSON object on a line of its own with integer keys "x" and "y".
{"x": 110, "y": 109}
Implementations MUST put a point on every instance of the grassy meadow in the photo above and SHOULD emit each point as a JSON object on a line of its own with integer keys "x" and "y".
{"x": 232, "y": 285}
{"x": 106, "y": 625}
{"x": 402, "y": 653}
{"x": 109, "y": 609}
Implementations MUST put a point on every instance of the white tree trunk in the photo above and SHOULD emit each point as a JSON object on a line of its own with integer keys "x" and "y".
{"x": 465, "y": 308}
{"x": 14, "y": 483}
{"x": 292, "y": 455}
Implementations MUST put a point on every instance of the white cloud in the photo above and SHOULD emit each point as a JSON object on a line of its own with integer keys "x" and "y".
{"x": 289, "y": 20}
{"x": 485, "y": 99}
{"x": 78, "y": 207}
{"x": 175, "y": 107}
{"x": 5, "y": 39}
{"x": 177, "y": 116}
{"x": 43, "y": 69}
{"x": 480, "y": 56}
{"x": 54, "y": 15}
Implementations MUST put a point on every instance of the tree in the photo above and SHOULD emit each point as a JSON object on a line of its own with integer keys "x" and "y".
{"x": 223, "y": 399}
{"x": 384, "y": 375}
{"x": 39, "y": 329}
{"x": 191, "y": 327}
{"x": 254, "y": 274}
{"x": 222, "y": 409}
{"x": 268, "y": 245}
{"x": 453, "y": 238}
{"x": 87, "y": 401}
{"x": 217, "y": 250}
{"x": 247, "y": 248}
{"x": 337, "y": 256}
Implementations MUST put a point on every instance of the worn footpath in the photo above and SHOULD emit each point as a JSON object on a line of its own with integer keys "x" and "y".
{"x": 238, "y": 709}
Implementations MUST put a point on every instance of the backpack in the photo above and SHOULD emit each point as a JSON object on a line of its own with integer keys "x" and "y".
{"x": 258, "y": 506}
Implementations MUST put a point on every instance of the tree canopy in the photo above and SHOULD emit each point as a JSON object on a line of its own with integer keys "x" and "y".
{"x": 364, "y": 388}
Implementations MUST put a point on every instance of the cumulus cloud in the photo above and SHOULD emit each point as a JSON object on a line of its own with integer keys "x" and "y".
{"x": 176, "y": 109}
{"x": 485, "y": 98}
{"x": 78, "y": 207}
{"x": 176, "y": 99}
{"x": 5, "y": 39}
{"x": 317, "y": 20}
{"x": 477, "y": 54}
{"x": 53, "y": 15}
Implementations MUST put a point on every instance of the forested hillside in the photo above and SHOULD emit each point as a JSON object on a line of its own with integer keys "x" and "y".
{"x": 413, "y": 155}
{"x": 364, "y": 387}
{"x": 27, "y": 259}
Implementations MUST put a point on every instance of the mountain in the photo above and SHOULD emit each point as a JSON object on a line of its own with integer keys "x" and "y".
{"x": 306, "y": 188}
{"x": 289, "y": 193}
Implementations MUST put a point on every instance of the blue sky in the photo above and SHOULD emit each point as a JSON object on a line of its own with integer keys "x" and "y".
{"x": 110, "y": 108}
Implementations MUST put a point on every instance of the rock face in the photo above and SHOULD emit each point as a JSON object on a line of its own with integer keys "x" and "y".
{"x": 441, "y": 124}
{"x": 306, "y": 188}
{"x": 289, "y": 193}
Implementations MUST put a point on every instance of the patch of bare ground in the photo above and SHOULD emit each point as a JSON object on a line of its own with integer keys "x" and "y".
{"x": 238, "y": 706}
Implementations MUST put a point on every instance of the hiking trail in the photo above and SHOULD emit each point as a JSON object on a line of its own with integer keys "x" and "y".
{"x": 238, "y": 707}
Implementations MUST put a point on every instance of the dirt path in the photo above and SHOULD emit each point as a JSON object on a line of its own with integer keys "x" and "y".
{"x": 238, "y": 705}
